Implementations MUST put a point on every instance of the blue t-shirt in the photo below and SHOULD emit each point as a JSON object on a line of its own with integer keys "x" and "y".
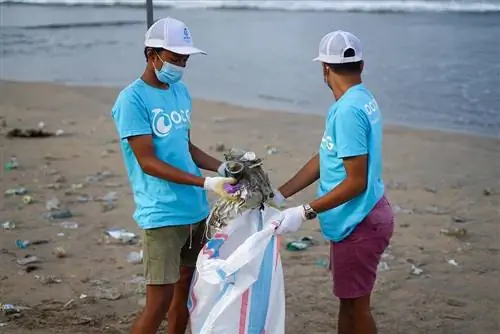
{"x": 141, "y": 109}
{"x": 353, "y": 127}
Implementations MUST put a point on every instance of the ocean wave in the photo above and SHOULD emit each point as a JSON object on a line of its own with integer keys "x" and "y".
{"x": 85, "y": 24}
{"x": 288, "y": 5}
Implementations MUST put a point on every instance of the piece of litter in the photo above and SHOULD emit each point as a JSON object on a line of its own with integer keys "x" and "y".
{"x": 453, "y": 262}
{"x": 416, "y": 271}
{"x": 135, "y": 257}
{"x": 69, "y": 225}
{"x": 122, "y": 235}
{"x": 382, "y": 266}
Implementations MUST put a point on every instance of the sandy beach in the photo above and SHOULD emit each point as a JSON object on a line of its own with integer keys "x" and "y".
{"x": 440, "y": 274}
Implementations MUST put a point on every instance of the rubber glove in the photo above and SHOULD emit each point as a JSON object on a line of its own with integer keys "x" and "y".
{"x": 278, "y": 199}
{"x": 216, "y": 184}
{"x": 291, "y": 220}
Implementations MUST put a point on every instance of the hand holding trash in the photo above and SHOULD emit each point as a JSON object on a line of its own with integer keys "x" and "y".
{"x": 291, "y": 220}
{"x": 216, "y": 184}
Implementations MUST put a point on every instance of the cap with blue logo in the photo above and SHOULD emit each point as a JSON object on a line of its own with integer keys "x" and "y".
{"x": 172, "y": 35}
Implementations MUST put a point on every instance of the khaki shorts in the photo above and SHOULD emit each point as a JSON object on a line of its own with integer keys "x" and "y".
{"x": 168, "y": 248}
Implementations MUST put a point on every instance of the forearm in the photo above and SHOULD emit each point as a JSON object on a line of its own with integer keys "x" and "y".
{"x": 157, "y": 168}
{"x": 306, "y": 176}
{"x": 344, "y": 192}
{"x": 202, "y": 159}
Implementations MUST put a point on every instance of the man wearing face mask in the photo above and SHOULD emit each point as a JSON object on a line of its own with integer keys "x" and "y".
{"x": 353, "y": 211}
{"x": 153, "y": 120}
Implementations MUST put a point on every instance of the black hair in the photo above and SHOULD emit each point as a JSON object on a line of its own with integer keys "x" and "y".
{"x": 157, "y": 50}
{"x": 347, "y": 68}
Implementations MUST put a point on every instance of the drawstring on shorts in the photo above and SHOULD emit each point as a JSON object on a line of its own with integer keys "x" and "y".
{"x": 190, "y": 236}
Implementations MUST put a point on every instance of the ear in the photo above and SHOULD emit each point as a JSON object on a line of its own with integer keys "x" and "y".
{"x": 325, "y": 70}
{"x": 362, "y": 65}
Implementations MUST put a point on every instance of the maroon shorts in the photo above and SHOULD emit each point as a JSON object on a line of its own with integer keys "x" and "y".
{"x": 355, "y": 259}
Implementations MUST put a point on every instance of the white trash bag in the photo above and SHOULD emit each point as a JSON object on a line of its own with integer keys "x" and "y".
{"x": 238, "y": 286}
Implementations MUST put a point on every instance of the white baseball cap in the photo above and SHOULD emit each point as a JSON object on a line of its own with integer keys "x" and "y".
{"x": 172, "y": 35}
{"x": 333, "y": 46}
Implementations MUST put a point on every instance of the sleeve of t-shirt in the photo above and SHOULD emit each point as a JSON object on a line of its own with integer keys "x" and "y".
{"x": 131, "y": 117}
{"x": 351, "y": 132}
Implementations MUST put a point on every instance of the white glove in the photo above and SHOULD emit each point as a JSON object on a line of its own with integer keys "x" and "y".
{"x": 291, "y": 220}
{"x": 216, "y": 184}
{"x": 222, "y": 170}
{"x": 278, "y": 200}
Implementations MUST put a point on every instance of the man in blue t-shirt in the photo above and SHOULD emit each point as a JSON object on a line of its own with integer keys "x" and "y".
{"x": 352, "y": 209}
{"x": 153, "y": 120}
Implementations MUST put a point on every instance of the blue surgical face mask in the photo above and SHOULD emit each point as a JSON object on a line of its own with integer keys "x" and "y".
{"x": 169, "y": 73}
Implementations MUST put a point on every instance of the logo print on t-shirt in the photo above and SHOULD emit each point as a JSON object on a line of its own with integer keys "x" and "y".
{"x": 161, "y": 122}
{"x": 164, "y": 121}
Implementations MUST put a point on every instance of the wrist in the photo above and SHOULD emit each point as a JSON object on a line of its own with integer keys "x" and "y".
{"x": 308, "y": 212}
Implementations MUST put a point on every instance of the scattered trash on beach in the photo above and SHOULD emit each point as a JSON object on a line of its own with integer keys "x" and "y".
{"x": 27, "y": 199}
{"x": 416, "y": 271}
{"x": 9, "y": 309}
{"x": 382, "y": 266}
{"x": 454, "y": 231}
{"x": 459, "y": 219}
{"x": 487, "y": 192}
{"x": 11, "y": 164}
{"x": 23, "y": 244}
{"x": 60, "y": 214}
{"x": 453, "y": 262}
{"x": 27, "y": 260}
{"x": 397, "y": 209}
{"x": 16, "y": 191}
{"x": 49, "y": 279}
{"x": 8, "y": 225}
{"x": 29, "y": 133}
{"x": 300, "y": 244}
{"x": 60, "y": 252}
{"x": 271, "y": 150}
{"x": 107, "y": 293}
{"x": 135, "y": 257}
{"x": 53, "y": 204}
{"x": 122, "y": 235}
{"x": 69, "y": 225}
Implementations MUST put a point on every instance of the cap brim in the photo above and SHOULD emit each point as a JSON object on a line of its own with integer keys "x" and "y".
{"x": 185, "y": 50}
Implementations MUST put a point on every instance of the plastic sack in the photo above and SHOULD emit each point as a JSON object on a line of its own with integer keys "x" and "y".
{"x": 238, "y": 287}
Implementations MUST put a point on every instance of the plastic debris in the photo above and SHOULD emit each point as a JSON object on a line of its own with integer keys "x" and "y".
{"x": 382, "y": 266}
{"x": 135, "y": 257}
{"x": 69, "y": 225}
{"x": 59, "y": 132}
{"x": 59, "y": 252}
{"x": 61, "y": 214}
{"x": 27, "y": 199}
{"x": 271, "y": 150}
{"x": 11, "y": 164}
{"x": 9, "y": 309}
{"x": 122, "y": 235}
{"x": 8, "y": 225}
{"x": 49, "y": 279}
{"x": 454, "y": 231}
{"x": 398, "y": 209}
{"x": 16, "y": 191}
{"x": 416, "y": 271}
{"x": 27, "y": 260}
{"x": 53, "y": 204}
{"x": 22, "y": 244}
{"x": 300, "y": 244}
{"x": 453, "y": 262}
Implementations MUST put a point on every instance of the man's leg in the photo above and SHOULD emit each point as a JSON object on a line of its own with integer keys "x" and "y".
{"x": 178, "y": 313}
{"x": 354, "y": 267}
{"x": 162, "y": 257}
{"x": 158, "y": 298}
{"x": 345, "y": 321}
